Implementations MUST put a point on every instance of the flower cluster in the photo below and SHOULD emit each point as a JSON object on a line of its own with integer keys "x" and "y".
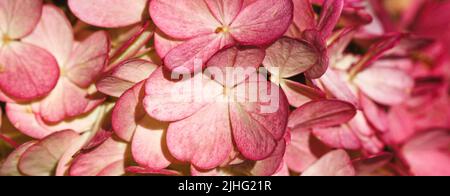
{"x": 224, "y": 87}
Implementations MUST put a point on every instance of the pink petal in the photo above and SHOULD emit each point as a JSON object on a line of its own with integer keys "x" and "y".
{"x": 42, "y": 158}
{"x": 289, "y": 57}
{"x": 331, "y": 11}
{"x": 366, "y": 166}
{"x": 225, "y": 11}
{"x": 88, "y": 59}
{"x": 244, "y": 62}
{"x": 271, "y": 164}
{"x": 304, "y": 18}
{"x": 299, "y": 155}
{"x": 9, "y": 166}
{"x": 168, "y": 100}
{"x": 26, "y": 76}
{"x": 335, "y": 83}
{"x": 338, "y": 137}
{"x": 257, "y": 126}
{"x": 149, "y": 146}
{"x": 335, "y": 163}
{"x": 262, "y": 22}
{"x": 93, "y": 163}
{"x": 428, "y": 154}
{"x": 377, "y": 117}
{"x": 108, "y": 13}
{"x": 193, "y": 54}
{"x": 53, "y": 33}
{"x": 299, "y": 94}
{"x": 65, "y": 101}
{"x": 165, "y": 43}
{"x": 384, "y": 85}
{"x": 186, "y": 138}
{"x": 143, "y": 170}
{"x": 64, "y": 162}
{"x": 401, "y": 126}
{"x": 19, "y": 17}
{"x": 23, "y": 118}
{"x": 322, "y": 113}
{"x": 183, "y": 19}
{"x": 322, "y": 64}
{"x": 125, "y": 76}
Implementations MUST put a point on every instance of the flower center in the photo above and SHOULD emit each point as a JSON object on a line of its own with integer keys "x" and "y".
{"x": 6, "y": 39}
{"x": 223, "y": 29}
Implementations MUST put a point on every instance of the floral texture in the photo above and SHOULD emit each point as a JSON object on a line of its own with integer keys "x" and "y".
{"x": 224, "y": 87}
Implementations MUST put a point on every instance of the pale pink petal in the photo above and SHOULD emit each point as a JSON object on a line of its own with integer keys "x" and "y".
{"x": 331, "y": 11}
{"x": 183, "y": 19}
{"x": 271, "y": 164}
{"x": 384, "y": 85}
{"x": 26, "y": 76}
{"x": 233, "y": 65}
{"x": 428, "y": 154}
{"x": 124, "y": 76}
{"x": 53, "y": 33}
{"x": 338, "y": 137}
{"x": 289, "y": 57}
{"x": 262, "y": 22}
{"x": 169, "y": 100}
{"x": 64, "y": 162}
{"x": 401, "y": 126}
{"x": 65, "y": 101}
{"x": 335, "y": 163}
{"x": 193, "y": 54}
{"x": 9, "y": 166}
{"x": 186, "y": 138}
{"x": 19, "y": 17}
{"x": 23, "y": 118}
{"x": 299, "y": 94}
{"x": 88, "y": 59}
{"x": 42, "y": 158}
{"x": 93, "y": 163}
{"x": 335, "y": 83}
{"x": 321, "y": 114}
{"x": 225, "y": 11}
{"x": 109, "y": 13}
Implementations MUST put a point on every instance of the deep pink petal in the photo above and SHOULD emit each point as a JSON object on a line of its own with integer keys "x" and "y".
{"x": 164, "y": 43}
{"x": 262, "y": 22}
{"x": 335, "y": 83}
{"x": 335, "y": 163}
{"x": 19, "y": 17}
{"x": 183, "y": 19}
{"x": 26, "y": 76}
{"x": 299, "y": 155}
{"x": 42, "y": 158}
{"x": 322, "y": 64}
{"x": 304, "y": 18}
{"x": 108, "y": 13}
{"x": 186, "y": 138}
{"x": 331, "y": 11}
{"x": 338, "y": 137}
{"x": 271, "y": 164}
{"x": 321, "y": 114}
